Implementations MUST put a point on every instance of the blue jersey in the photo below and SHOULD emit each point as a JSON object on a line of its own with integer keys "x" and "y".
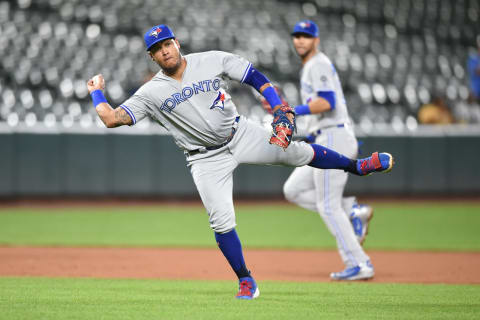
{"x": 473, "y": 66}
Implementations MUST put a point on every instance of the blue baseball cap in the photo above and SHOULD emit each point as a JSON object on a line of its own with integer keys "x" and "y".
{"x": 306, "y": 27}
{"x": 157, "y": 34}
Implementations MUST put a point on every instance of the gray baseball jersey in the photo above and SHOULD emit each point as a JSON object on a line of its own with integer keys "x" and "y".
{"x": 317, "y": 75}
{"x": 322, "y": 190}
{"x": 197, "y": 111}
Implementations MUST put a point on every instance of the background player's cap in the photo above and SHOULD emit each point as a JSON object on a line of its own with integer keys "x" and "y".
{"x": 306, "y": 27}
{"x": 157, "y": 34}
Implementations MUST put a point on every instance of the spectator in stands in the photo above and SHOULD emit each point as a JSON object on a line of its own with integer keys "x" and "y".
{"x": 435, "y": 112}
{"x": 473, "y": 66}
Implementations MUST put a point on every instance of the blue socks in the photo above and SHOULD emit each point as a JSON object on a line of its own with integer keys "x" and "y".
{"x": 325, "y": 158}
{"x": 230, "y": 245}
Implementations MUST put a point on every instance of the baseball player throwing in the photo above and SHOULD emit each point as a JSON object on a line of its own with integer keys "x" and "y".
{"x": 329, "y": 125}
{"x": 188, "y": 97}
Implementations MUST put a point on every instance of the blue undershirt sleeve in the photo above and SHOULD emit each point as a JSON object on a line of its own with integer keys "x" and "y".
{"x": 329, "y": 96}
{"x": 256, "y": 79}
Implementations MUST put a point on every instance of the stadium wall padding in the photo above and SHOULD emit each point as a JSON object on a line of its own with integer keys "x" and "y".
{"x": 152, "y": 165}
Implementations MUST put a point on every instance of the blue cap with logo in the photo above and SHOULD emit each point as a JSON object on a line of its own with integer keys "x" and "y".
{"x": 157, "y": 34}
{"x": 306, "y": 27}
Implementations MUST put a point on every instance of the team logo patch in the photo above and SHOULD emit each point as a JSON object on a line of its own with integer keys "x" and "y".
{"x": 219, "y": 102}
{"x": 306, "y": 87}
{"x": 305, "y": 24}
{"x": 155, "y": 32}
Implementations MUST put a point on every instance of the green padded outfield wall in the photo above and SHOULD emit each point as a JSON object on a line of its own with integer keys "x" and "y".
{"x": 152, "y": 165}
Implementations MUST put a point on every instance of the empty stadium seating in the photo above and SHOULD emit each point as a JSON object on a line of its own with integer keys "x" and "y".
{"x": 392, "y": 55}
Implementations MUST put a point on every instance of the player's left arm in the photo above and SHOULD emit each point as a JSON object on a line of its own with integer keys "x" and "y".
{"x": 238, "y": 68}
{"x": 325, "y": 100}
{"x": 283, "y": 115}
{"x": 264, "y": 86}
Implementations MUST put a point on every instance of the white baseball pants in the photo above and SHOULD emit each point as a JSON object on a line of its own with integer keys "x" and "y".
{"x": 322, "y": 191}
{"x": 213, "y": 171}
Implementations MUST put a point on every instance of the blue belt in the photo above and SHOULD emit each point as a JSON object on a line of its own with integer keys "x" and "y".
{"x": 205, "y": 149}
{"x": 319, "y": 131}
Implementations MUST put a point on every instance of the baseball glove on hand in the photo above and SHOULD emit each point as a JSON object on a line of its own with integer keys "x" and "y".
{"x": 283, "y": 126}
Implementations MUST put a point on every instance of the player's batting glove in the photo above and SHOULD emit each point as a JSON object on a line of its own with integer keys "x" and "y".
{"x": 283, "y": 126}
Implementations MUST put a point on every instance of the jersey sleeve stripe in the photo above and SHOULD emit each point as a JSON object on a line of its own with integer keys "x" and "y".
{"x": 246, "y": 72}
{"x": 130, "y": 113}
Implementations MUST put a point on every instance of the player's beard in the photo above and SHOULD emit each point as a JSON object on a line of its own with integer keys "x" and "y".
{"x": 169, "y": 70}
{"x": 306, "y": 53}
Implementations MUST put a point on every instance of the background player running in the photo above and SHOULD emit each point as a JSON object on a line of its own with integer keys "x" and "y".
{"x": 329, "y": 124}
{"x": 188, "y": 97}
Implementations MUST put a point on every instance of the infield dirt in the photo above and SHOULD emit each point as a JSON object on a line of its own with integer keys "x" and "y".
{"x": 278, "y": 265}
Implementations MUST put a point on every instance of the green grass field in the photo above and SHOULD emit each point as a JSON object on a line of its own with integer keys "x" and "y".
{"x": 424, "y": 226}
{"x": 396, "y": 226}
{"x": 41, "y": 298}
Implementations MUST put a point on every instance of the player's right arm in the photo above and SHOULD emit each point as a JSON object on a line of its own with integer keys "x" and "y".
{"x": 318, "y": 105}
{"x": 322, "y": 82}
{"x": 111, "y": 117}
